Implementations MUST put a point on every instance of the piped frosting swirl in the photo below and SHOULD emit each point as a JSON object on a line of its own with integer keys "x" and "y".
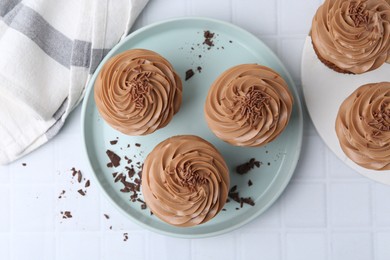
{"x": 353, "y": 35}
{"x": 363, "y": 126}
{"x": 185, "y": 181}
{"x": 138, "y": 92}
{"x": 248, "y": 105}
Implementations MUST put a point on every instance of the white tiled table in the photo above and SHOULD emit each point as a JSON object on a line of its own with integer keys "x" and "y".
{"x": 327, "y": 212}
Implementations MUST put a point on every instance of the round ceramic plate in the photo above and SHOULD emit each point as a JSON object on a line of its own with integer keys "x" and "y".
{"x": 324, "y": 91}
{"x": 180, "y": 41}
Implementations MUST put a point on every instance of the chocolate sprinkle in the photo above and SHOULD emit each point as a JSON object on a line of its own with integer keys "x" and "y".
{"x": 106, "y": 216}
{"x": 24, "y": 164}
{"x": 137, "y": 144}
{"x": 114, "y": 158}
{"x": 246, "y": 167}
{"x": 189, "y": 74}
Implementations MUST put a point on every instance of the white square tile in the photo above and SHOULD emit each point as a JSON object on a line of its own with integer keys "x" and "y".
{"x": 291, "y": 54}
{"x": 33, "y": 246}
{"x": 262, "y": 245}
{"x": 296, "y": 16}
{"x": 381, "y": 195}
{"x": 33, "y": 208}
{"x": 164, "y": 9}
{"x": 311, "y": 164}
{"x": 4, "y": 174}
{"x": 304, "y": 205}
{"x": 116, "y": 248}
{"x": 77, "y": 245}
{"x": 339, "y": 170}
{"x": 350, "y": 204}
{"x": 221, "y": 247}
{"x": 4, "y": 246}
{"x": 306, "y": 246}
{"x": 382, "y": 249}
{"x": 85, "y": 210}
{"x": 5, "y": 209}
{"x": 39, "y": 166}
{"x": 117, "y": 221}
{"x": 69, "y": 155}
{"x": 269, "y": 219}
{"x": 258, "y": 17}
{"x": 167, "y": 248}
{"x": 202, "y": 8}
{"x": 356, "y": 246}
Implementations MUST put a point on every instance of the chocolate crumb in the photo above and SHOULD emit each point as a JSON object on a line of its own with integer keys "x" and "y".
{"x": 237, "y": 208}
{"x": 230, "y": 41}
{"x": 87, "y": 184}
{"x": 109, "y": 165}
{"x": 61, "y": 194}
{"x": 82, "y": 193}
{"x": 268, "y": 163}
{"x": 250, "y": 183}
{"x": 111, "y": 227}
{"x": 223, "y": 209}
{"x": 207, "y": 38}
{"x": 248, "y": 201}
{"x": 143, "y": 206}
{"x": 189, "y": 74}
{"x": 66, "y": 214}
{"x": 199, "y": 69}
{"x": 113, "y": 142}
{"x": 200, "y": 56}
{"x": 114, "y": 158}
{"x": 137, "y": 144}
{"x": 24, "y": 164}
{"x": 106, "y": 216}
{"x": 125, "y": 236}
{"x": 246, "y": 167}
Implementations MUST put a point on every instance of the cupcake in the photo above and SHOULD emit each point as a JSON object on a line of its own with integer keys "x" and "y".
{"x": 185, "y": 181}
{"x": 248, "y": 105}
{"x": 352, "y": 36}
{"x": 363, "y": 126}
{"x": 138, "y": 92}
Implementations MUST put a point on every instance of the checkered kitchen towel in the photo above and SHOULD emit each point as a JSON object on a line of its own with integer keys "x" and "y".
{"x": 48, "y": 51}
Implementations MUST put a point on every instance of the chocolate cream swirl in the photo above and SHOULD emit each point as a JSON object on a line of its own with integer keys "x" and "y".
{"x": 363, "y": 126}
{"x": 138, "y": 92}
{"x": 185, "y": 181}
{"x": 353, "y": 35}
{"x": 248, "y": 105}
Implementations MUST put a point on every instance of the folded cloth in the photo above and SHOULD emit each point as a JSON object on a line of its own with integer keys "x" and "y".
{"x": 48, "y": 51}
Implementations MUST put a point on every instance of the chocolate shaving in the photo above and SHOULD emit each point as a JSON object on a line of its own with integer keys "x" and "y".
{"x": 137, "y": 144}
{"x": 24, "y": 164}
{"x": 246, "y": 167}
{"x": 113, "y": 142}
{"x": 87, "y": 184}
{"x": 125, "y": 237}
{"x": 82, "y": 193}
{"x": 114, "y": 158}
{"x": 189, "y": 74}
{"x": 66, "y": 214}
{"x": 106, "y": 216}
{"x": 207, "y": 38}
{"x": 79, "y": 176}
{"x": 250, "y": 183}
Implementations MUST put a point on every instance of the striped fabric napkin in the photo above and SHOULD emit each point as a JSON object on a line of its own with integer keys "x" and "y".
{"x": 48, "y": 51}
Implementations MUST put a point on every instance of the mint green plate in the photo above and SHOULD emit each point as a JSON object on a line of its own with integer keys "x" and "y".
{"x": 181, "y": 42}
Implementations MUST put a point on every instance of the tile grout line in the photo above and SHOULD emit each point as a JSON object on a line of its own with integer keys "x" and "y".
{"x": 11, "y": 215}
{"x": 373, "y": 222}
{"x": 327, "y": 207}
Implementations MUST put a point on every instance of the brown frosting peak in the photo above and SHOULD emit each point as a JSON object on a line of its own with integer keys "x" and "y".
{"x": 185, "y": 181}
{"x": 353, "y": 35}
{"x": 138, "y": 92}
{"x": 248, "y": 105}
{"x": 363, "y": 126}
